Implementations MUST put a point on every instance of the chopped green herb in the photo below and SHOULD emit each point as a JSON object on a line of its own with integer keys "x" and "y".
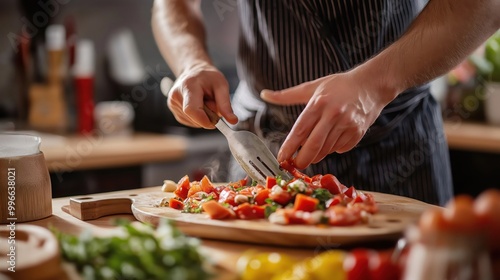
{"x": 141, "y": 252}
{"x": 208, "y": 198}
{"x": 321, "y": 194}
{"x": 240, "y": 189}
{"x": 254, "y": 183}
{"x": 270, "y": 209}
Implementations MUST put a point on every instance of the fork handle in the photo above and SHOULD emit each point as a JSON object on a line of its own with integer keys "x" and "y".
{"x": 212, "y": 116}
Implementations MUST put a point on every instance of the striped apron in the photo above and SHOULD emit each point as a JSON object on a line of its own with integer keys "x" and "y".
{"x": 284, "y": 43}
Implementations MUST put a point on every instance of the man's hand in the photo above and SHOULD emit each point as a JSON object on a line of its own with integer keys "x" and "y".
{"x": 197, "y": 85}
{"x": 339, "y": 111}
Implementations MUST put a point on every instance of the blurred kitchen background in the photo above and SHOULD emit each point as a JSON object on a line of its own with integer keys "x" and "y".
{"x": 110, "y": 47}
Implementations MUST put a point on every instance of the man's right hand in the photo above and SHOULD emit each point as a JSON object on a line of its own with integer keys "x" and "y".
{"x": 198, "y": 85}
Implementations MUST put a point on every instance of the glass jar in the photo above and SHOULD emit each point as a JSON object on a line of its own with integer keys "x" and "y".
{"x": 443, "y": 255}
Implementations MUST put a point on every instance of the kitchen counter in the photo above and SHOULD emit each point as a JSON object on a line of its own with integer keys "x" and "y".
{"x": 476, "y": 137}
{"x": 225, "y": 254}
{"x": 69, "y": 153}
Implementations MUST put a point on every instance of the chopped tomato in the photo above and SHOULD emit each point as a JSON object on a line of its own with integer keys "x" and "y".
{"x": 182, "y": 187}
{"x": 316, "y": 178}
{"x": 333, "y": 201}
{"x": 195, "y": 187}
{"x": 206, "y": 185}
{"x": 262, "y": 195}
{"x": 292, "y": 218}
{"x": 219, "y": 189}
{"x": 217, "y": 211}
{"x": 370, "y": 208}
{"x": 305, "y": 203}
{"x": 244, "y": 181}
{"x": 358, "y": 199}
{"x": 282, "y": 198}
{"x": 289, "y": 166}
{"x": 227, "y": 196}
{"x": 331, "y": 183}
{"x": 343, "y": 216}
{"x": 246, "y": 191}
{"x": 315, "y": 182}
{"x": 247, "y": 211}
{"x": 270, "y": 182}
{"x": 351, "y": 192}
{"x": 176, "y": 204}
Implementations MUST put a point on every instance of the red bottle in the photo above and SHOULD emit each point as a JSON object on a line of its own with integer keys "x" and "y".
{"x": 83, "y": 73}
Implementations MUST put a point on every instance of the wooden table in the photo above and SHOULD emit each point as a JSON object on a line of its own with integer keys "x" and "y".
{"x": 225, "y": 254}
{"x": 89, "y": 152}
{"x": 472, "y": 136}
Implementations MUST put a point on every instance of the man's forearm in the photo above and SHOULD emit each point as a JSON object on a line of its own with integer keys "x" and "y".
{"x": 179, "y": 33}
{"x": 444, "y": 34}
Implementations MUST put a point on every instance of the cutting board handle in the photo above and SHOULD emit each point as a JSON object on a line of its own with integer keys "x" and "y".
{"x": 90, "y": 208}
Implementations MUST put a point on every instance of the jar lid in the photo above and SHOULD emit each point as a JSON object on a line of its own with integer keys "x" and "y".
{"x": 14, "y": 145}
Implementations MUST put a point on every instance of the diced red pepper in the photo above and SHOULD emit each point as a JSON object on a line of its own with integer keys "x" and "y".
{"x": 206, "y": 185}
{"x": 182, "y": 187}
{"x": 176, "y": 204}
{"x": 260, "y": 198}
{"x": 217, "y": 211}
{"x": 305, "y": 203}
{"x": 270, "y": 182}
{"x": 248, "y": 211}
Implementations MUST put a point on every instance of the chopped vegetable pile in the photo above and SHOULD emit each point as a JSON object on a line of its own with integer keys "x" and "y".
{"x": 139, "y": 252}
{"x": 320, "y": 199}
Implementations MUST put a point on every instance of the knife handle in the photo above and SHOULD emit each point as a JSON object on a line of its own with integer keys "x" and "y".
{"x": 214, "y": 118}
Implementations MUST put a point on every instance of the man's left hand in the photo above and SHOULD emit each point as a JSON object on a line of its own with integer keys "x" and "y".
{"x": 339, "y": 111}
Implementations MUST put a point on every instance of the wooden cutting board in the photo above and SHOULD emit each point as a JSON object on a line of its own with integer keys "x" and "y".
{"x": 395, "y": 213}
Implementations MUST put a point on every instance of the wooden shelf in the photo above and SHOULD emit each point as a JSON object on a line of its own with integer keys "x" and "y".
{"x": 90, "y": 152}
{"x": 473, "y": 136}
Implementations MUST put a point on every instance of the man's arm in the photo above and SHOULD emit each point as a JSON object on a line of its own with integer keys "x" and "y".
{"x": 180, "y": 35}
{"x": 441, "y": 37}
{"x": 340, "y": 108}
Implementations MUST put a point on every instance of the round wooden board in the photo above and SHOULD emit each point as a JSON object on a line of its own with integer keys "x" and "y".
{"x": 395, "y": 213}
